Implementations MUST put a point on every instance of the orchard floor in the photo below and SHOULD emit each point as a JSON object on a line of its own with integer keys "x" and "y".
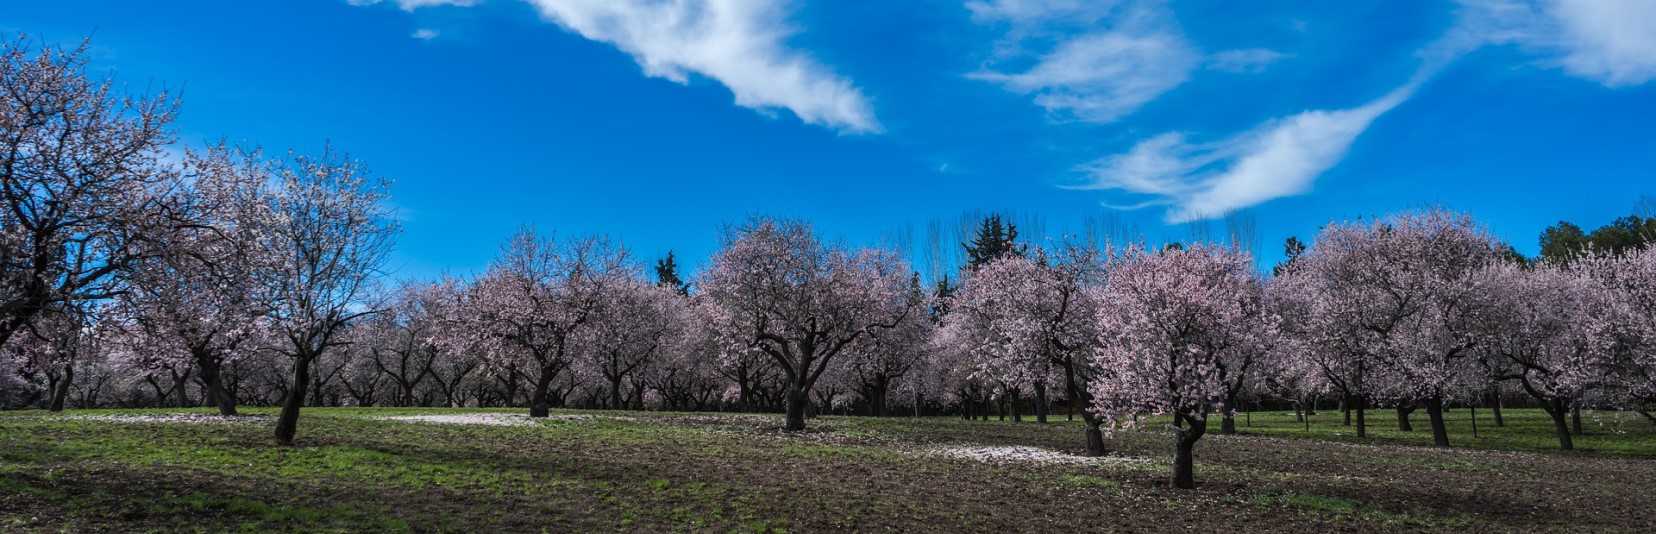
{"x": 354, "y": 470}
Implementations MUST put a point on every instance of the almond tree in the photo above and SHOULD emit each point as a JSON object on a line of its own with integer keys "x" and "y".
{"x": 1551, "y": 330}
{"x": 884, "y": 356}
{"x": 194, "y": 301}
{"x": 1388, "y": 312}
{"x": 1032, "y": 323}
{"x": 1168, "y": 323}
{"x": 83, "y": 189}
{"x": 638, "y": 321}
{"x": 1415, "y": 270}
{"x": 327, "y": 232}
{"x": 1630, "y": 279}
{"x": 52, "y": 346}
{"x": 775, "y": 287}
{"x": 530, "y": 312}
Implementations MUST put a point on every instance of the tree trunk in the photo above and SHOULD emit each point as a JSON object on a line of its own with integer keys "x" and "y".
{"x": 1440, "y": 432}
{"x": 1496, "y": 406}
{"x": 287, "y": 424}
{"x": 1575, "y": 420}
{"x": 1227, "y": 417}
{"x": 798, "y": 399}
{"x": 1362, "y": 421}
{"x": 877, "y": 397}
{"x": 1040, "y": 402}
{"x": 213, "y": 380}
{"x": 1095, "y": 436}
{"x": 1403, "y": 424}
{"x": 615, "y": 393}
{"x": 1556, "y": 410}
{"x": 540, "y": 402}
{"x": 60, "y": 390}
{"x": 1345, "y": 408}
{"x": 1184, "y": 443}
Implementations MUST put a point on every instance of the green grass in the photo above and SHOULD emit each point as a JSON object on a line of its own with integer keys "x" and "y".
{"x": 352, "y": 472}
{"x": 1612, "y": 433}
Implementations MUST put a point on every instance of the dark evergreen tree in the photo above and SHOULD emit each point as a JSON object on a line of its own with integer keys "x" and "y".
{"x": 667, "y": 275}
{"x": 995, "y": 239}
{"x": 1292, "y": 249}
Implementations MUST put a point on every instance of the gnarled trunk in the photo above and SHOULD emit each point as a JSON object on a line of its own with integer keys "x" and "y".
{"x": 1403, "y": 424}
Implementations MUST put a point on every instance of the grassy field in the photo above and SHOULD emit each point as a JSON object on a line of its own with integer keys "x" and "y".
{"x": 626, "y": 471}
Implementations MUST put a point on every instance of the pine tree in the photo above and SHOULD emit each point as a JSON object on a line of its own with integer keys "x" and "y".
{"x": 995, "y": 239}
{"x": 667, "y": 275}
{"x": 1292, "y": 249}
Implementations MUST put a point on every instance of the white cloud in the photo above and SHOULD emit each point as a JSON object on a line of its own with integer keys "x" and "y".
{"x": 1612, "y": 42}
{"x": 1250, "y": 61}
{"x": 739, "y": 43}
{"x": 1096, "y": 61}
{"x": 425, "y": 34}
{"x": 736, "y": 42}
{"x": 1276, "y": 159}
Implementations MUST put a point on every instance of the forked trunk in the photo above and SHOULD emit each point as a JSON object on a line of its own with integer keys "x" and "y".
{"x": 1440, "y": 432}
{"x": 287, "y": 424}
{"x": 212, "y": 378}
{"x": 1184, "y": 444}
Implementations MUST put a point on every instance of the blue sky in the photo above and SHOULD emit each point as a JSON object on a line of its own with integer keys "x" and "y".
{"x": 657, "y": 121}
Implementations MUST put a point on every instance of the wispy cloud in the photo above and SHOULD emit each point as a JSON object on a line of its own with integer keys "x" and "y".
{"x": 1249, "y": 61}
{"x": 1612, "y": 42}
{"x": 425, "y": 34}
{"x": 410, "y": 5}
{"x": 738, "y": 43}
{"x": 1276, "y": 159}
{"x": 1606, "y": 41}
{"x": 1095, "y": 61}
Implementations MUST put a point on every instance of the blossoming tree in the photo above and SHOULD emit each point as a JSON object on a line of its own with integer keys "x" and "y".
{"x": 1169, "y": 325}
{"x": 777, "y": 288}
